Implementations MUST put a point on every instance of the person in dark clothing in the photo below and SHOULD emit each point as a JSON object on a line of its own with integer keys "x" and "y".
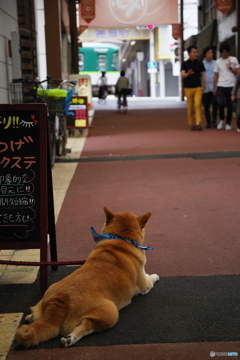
{"x": 121, "y": 84}
{"x": 194, "y": 80}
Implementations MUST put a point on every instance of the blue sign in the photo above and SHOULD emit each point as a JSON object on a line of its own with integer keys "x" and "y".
{"x": 152, "y": 65}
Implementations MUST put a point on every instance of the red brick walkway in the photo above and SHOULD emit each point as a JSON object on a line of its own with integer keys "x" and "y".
{"x": 195, "y": 204}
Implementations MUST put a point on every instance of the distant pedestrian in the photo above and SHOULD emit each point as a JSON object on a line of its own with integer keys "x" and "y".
{"x": 194, "y": 80}
{"x": 236, "y": 96}
{"x": 102, "y": 83}
{"x": 209, "y": 99}
{"x": 122, "y": 83}
{"x": 225, "y": 71}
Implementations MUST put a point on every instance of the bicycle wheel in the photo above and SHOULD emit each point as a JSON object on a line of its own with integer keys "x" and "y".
{"x": 52, "y": 139}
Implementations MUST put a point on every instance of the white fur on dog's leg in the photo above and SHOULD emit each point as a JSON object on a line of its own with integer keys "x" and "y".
{"x": 29, "y": 318}
{"x": 85, "y": 328}
{"x": 69, "y": 340}
{"x": 151, "y": 279}
{"x": 155, "y": 278}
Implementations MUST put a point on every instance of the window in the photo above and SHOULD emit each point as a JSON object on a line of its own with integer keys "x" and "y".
{"x": 115, "y": 62}
{"x": 102, "y": 63}
{"x": 209, "y": 11}
{"x": 80, "y": 62}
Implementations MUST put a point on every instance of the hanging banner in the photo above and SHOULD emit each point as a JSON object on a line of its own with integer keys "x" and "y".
{"x": 127, "y": 13}
{"x": 87, "y": 8}
{"x": 224, "y": 6}
{"x": 176, "y": 31}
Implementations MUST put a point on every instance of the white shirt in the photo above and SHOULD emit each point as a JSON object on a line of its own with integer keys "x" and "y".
{"x": 102, "y": 80}
{"x": 226, "y": 77}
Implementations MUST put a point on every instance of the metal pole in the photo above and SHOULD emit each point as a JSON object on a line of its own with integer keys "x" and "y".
{"x": 139, "y": 77}
{"x": 152, "y": 58}
{"x": 182, "y": 47}
{"x": 74, "y": 36}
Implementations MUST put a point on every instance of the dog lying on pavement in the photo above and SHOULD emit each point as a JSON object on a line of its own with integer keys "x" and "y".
{"x": 89, "y": 299}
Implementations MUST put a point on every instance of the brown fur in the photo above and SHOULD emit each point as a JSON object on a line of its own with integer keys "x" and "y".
{"x": 90, "y": 298}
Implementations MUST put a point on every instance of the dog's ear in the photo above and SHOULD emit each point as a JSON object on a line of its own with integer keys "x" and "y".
{"x": 143, "y": 219}
{"x": 108, "y": 213}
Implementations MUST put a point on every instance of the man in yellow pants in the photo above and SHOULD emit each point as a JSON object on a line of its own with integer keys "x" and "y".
{"x": 194, "y": 80}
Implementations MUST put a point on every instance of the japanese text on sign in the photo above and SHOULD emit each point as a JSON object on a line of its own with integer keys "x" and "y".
{"x": 18, "y": 173}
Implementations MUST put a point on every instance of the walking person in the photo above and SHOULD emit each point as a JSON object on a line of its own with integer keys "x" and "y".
{"x": 209, "y": 99}
{"x": 225, "y": 71}
{"x": 102, "y": 82}
{"x": 194, "y": 81}
{"x": 236, "y": 96}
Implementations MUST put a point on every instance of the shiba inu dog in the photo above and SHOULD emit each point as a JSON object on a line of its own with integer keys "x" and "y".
{"x": 89, "y": 299}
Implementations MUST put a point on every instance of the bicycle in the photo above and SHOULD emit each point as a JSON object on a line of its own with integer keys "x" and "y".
{"x": 122, "y": 99}
{"x": 57, "y": 100}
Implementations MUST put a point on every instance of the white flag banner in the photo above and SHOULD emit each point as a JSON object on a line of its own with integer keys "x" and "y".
{"x": 126, "y": 13}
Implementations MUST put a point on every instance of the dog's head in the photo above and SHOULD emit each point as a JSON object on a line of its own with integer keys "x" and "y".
{"x": 126, "y": 225}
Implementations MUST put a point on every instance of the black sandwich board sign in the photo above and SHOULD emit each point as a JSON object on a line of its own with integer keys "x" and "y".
{"x": 26, "y": 194}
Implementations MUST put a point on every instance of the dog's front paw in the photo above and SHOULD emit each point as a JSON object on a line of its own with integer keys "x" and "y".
{"x": 155, "y": 278}
{"x": 68, "y": 341}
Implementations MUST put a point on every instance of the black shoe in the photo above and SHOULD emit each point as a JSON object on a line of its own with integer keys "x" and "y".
{"x": 193, "y": 127}
{"x": 198, "y": 128}
{"x": 214, "y": 125}
{"x": 208, "y": 126}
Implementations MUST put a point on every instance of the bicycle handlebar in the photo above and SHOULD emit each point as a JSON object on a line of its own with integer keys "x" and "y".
{"x": 22, "y": 80}
{"x": 72, "y": 83}
{"x": 48, "y": 79}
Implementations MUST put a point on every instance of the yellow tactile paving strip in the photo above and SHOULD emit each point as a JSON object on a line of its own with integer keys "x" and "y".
{"x": 8, "y": 326}
{"x": 62, "y": 174}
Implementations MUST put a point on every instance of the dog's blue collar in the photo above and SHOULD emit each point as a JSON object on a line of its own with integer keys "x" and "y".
{"x": 98, "y": 237}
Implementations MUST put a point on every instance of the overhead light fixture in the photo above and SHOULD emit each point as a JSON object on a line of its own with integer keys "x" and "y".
{"x": 123, "y": 60}
{"x": 133, "y": 42}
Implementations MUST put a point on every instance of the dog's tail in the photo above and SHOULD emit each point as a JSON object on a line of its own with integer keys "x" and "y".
{"x": 48, "y": 326}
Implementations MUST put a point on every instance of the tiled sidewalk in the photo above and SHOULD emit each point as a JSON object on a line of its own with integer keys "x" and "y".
{"x": 62, "y": 174}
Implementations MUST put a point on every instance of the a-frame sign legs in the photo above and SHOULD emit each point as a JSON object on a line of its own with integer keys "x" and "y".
{"x": 51, "y": 227}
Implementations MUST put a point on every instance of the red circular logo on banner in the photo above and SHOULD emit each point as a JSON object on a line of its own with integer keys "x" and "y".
{"x": 128, "y": 11}
{"x": 88, "y": 10}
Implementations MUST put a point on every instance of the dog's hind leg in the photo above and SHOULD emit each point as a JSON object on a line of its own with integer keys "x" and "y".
{"x": 37, "y": 313}
{"x": 85, "y": 328}
{"x": 99, "y": 319}
{"x": 48, "y": 326}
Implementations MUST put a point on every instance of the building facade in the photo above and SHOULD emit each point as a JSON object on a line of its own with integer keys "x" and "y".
{"x": 216, "y": 27}
{"x": 37, "y": 38}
